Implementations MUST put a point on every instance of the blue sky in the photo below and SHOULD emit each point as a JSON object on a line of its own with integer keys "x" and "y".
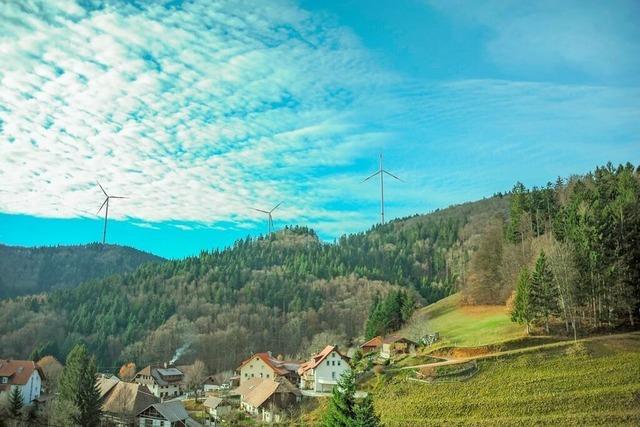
{"x": 200, "y": 110}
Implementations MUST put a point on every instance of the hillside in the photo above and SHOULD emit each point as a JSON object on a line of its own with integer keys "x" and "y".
{"x": 33, "y": 270}
{"x": 275, "y": 293}
{"x": 463, "y": 325}
{"x": 594, "y": 382}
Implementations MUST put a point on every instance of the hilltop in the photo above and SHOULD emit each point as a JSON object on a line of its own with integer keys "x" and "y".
{"x": 25, "y": 270}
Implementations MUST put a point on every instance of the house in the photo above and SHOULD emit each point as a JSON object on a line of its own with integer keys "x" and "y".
{"x": 23, "y": 374}
{"x": 217, "y": 407}
{"x": 51, "y": 368}
{"x": 166, "y": 414}
{"x": 163, "y": 381}
{"x": 372, "y": 346}
{"x": 120, "y": 401}
{"x": 269, "y": 398}
{"x": 394, "y": 345}
{"x": 210, "y": 384}
{"x": 264, "y": 365}
{"x": 323, "y": 370}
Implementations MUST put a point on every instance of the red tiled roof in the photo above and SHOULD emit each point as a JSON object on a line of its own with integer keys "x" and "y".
{"x": 316, "y": 359}
{"x": 373, "y": 342}
{"x": 18, "y": 371}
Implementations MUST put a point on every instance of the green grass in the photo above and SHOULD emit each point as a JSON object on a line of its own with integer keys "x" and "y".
{"x": 464, "y": 326}
{"x": 591, "y": 383}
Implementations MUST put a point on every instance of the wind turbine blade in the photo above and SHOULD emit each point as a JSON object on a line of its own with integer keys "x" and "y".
{"x": 118, "y": 197}
{"x": 260, "y": 210}
{"x": 392, "y": 175}
{"x": 103, "y": 203}
{"x": 276, "y": 207}
{"x": 371, "y": 176}
{"x": 105, "y": 193}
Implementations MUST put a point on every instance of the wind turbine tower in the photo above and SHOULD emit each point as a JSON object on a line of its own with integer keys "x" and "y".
{"x": 105, "y": 205}
{"x": 269, "y": 216}
{"x": 381, "y": 171}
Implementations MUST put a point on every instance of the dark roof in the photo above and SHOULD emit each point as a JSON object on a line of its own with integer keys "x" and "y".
{"x": 373, "y": 342}
{"x": 395, "y": 338}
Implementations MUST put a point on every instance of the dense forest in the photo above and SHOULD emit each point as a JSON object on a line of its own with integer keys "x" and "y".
{"x": 572, "y": 250}
{"x": 276, "y": 293}
{"x": 25, "y": 271}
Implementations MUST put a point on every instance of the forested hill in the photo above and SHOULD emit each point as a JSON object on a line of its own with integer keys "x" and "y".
{"x": 33, "y": 270}
{"x": 279, "y": 293}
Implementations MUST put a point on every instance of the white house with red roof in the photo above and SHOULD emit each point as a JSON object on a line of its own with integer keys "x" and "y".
{"x": 323, "y": 370}
{"x": 264, "y": 365}
{"x": 23, "y": 374}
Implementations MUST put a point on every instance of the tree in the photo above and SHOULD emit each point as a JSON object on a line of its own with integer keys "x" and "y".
{"x": 79, "y": 396}
{"x": 127, "y": 371}
{"x": 543, "y": 295}
{"x": 342, "y": 408}
{"x": 195, "y": 376}
{"x": 365, "y": 413}
{"x": 522, "y": 312}
{"x": 15, "y": 402}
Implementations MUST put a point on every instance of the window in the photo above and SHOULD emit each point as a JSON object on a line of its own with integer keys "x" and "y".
{"x": 327, "y": 363}
{"x": 338, "y": 363}
{"x": 267, "y": 375}
{"x": 333, "y": 375}
{"x": 333, "y": 363}
{"x": 4, "y": 380}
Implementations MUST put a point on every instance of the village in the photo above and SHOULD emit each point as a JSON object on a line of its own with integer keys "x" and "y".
{"x": 264, "y": 388}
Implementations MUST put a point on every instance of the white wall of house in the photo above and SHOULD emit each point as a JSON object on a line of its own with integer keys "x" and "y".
{"x": 255, "y": 368}
{"x": 142, "y": 422}
{"x": 328, "y": 372}
{"x": 31, "y": 390}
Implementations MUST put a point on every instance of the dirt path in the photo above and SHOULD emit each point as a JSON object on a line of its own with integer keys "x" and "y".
{"x": 455, "y": 361}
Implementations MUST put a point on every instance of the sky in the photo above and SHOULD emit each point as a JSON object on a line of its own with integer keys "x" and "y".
{"x": 199, "y": 111}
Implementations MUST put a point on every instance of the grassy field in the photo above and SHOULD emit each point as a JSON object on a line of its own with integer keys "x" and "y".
{"x": 591, "y": 383}
{"x": 466, "y": 326}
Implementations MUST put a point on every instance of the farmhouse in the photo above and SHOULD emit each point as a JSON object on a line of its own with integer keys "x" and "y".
{"x": 394, "y": 345}
{"x": 216, "y": 407}
{"x": 268, "y": 398}
{"x": 324, "y": 369}
{"x": 163, "y": 381}
{"x": 120, "y": 402}
{"x": 23, "y": 374}
{"x": 264, "y": 365}
{"x": 167, "y": 414}
{"x": 372, "y": 345}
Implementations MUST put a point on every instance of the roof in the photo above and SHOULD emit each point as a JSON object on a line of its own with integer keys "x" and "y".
{"x": 373, "y": 342}
{"x": 105, "y": 385}
{"x": 172, "y": 410}
{"x": 280, "y": 367}
{"x": 213, "y": 402}
{"x": 157, "y": 373}
{"x": 246, "y": 386}
{"x": 267, "y": 388}
{"x": 18, "y": 371}
{"x": 395, "y": 338}
{"x": 169, "y": 372}
{"x": 124, "y": 398}
{"x": 316, "y": 359}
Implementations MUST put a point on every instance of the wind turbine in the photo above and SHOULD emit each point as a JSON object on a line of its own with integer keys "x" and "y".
{"x": 381, "y": 171}
{"x": 270, "y": 218}
{"x": 106, "y": 212}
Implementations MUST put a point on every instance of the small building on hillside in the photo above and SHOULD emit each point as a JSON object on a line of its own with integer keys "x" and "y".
{"x": 269, "y": 399}
{"x": 120, "y": 402}
{"x": 372, "y": 346}
{"x": 163, "y": 381}
{"x": 166, "y": 414}
{"x": 216, "y": 408}
{"x": 25, "y": 375}
{"x": 323, "y": 370}
{"x": 264, "y": 365}
{"x": 394, "y": 345}
{"x": 210, "y": 384}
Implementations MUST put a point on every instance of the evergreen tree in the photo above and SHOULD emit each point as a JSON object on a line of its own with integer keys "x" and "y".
{"x": 342, "y": 407}
{"x": 522, "y": 312}
{"x": 365, "y": 413}
{"x": 543, "y": 295}
{"x": 79, "y": 396}
{"x": 15, "y": 402}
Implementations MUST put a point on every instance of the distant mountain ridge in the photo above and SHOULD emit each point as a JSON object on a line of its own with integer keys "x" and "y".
{"x": 32, "y": 270}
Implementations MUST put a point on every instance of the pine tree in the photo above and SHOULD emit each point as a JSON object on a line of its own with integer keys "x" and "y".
{"x": 79, "y": 396}
{"x": 15, "y": 402}
{"x": 522, "y": 312}
{"x": 543, "y": 292}
{"x": 342, "y": 408}
{"x": 365, "y": 413}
